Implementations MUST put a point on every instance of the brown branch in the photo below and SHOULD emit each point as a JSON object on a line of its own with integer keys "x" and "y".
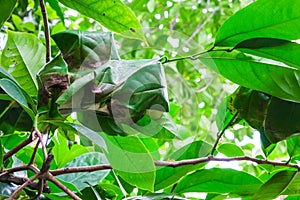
{"x": 61, "y": 186}
{"x": 20, "y": 188}
{"x": 80, "y": 169}
{"x": 47, "y": 30}
{"x": 31, "y": 138}
{"x": 40, "y": 136}
{"x": 10, "y": 178}
{"x": 175, "y": 164}
{"x": 212, "y": 158}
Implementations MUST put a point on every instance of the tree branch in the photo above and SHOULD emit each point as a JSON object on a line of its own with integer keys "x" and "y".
{"x": 47, "y": 30}
{"x": 64, "y": 188}
{"x": 20, "y": 146}
{"x": 10, "y": 178}
{"x": 175, "y": 164}
{"x": 80, "y": 169}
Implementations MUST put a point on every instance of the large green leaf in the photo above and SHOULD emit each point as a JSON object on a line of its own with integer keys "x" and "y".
{"x": 275, "y": 186}
{"x": 15, "y": 119}
{"x": 23, "y": 55}
{"x": 293, "y": 146}
{"x": 63, "y": 153}
{"x": 114, "y": 15}
{"x": 131, "y": 160}
{"x": 262, "y": 19}
{"x": 166, "y": 176}
{"x": 85, "y": 179}
{"x": 16, "y": 94}
{"x": 276, "y": 49}
{"x": 293, "y": 187}
{"x": 277, "y": 80}
{"x": 219, "y": 181}
{"x": 7, "y": 8}
{"x": 230, "y": 150}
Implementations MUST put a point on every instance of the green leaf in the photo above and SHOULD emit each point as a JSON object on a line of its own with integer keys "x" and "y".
{"x": 219, "y": 181}
{"x": 63, "y": 154}
{"x": 293, "y": 187}
{"x": 89, "y": 134}
{"x": 7, "y": 8}
{"x": 15, "y": 119}
{"x": 293, "y": 146}
{"x": 230, "y": 150}
{"x": 114, "y": 15}
{"x": 157, "y": 124}
{"x": 16, "y": 94}
{"x": 84, "y": 50}
{"x": 276, "y": 49}
{"x": 277, "y": 80}
{"x": 54, "y": 4}
{"x": 22, "y": 57}
{"x": 85, "y": 179}
{"x": 261, "y": 19}
{"x": 166, "y": 176}
{"x": 131, "y": 160}
{"x": 4, "y": 74}
{"x": 275, "y": 186}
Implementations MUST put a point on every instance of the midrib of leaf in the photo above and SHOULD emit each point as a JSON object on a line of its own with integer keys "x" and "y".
{"x": 280, "y": 59}
{"x": 257, "y": 29}
{"x": 250, "y": 61}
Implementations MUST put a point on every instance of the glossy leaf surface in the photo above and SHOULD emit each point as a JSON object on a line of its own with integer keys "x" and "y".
{"x": 132, "y": 161}
{"x": 8, "y": 7}
{"x": 261, "y": 19}
{"x": 219, "y": 181}
{"x": 22, "y": 57}
{"x": 114, "y": 15}
{"x": 166, "y": 176}
{"x": 277, "y": 80}
{"x": 275, "y": 186}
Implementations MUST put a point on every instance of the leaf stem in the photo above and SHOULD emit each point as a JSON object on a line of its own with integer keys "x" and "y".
{"x": 222, "y": 133}
{"x": 46, "y": 30}
{"x": 6, "y": 109}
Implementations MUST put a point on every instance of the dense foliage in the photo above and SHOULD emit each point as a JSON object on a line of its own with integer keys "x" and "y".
{"x": 149, "y": 99}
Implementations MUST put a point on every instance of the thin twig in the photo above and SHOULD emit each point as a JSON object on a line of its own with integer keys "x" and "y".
{"x": 47, "y": 30}
{"x": 20, "y": 168}
{"x": 222, "y": 133}
{"x": 80, "y": 169}
{"x": 34, "y": 153}
{"x": 174, "y": 21}
{"x": 198, "y": 28}
{"x": 31, "y": 138}
{"x": 214, "y": 159}
{"x": 64, "y": 188}
{"x": 40, "y": 136}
